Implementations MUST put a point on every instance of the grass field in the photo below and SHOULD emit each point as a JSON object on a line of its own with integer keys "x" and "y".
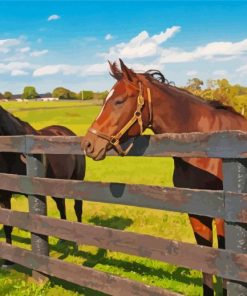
{"x": 153, "y": 171}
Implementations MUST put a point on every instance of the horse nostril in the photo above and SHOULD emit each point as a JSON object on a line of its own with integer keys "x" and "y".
{"x": 88, "y": 146}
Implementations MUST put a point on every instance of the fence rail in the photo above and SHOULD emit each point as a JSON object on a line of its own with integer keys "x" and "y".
{"x": 229, "y": 204}
{"x": 201, "y": 202}
{"x": 223, "y": 144}
{"x": 186, "y": 255}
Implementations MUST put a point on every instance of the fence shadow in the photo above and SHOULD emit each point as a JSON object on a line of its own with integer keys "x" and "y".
{"x": 179, "y": 274}
{"x": 115, "y": 222}
{"x": 52, "y": 282}
{"x": 68, "y": 248}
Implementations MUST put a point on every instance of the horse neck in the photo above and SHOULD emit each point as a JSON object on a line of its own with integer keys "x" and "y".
{"x": 176, "y": 111}
{"x": 10, "y": 125}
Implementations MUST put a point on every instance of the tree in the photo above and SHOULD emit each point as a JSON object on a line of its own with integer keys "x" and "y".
{"x": 8, "y": 95}
{"x": 1, "y": 97}
{"x": 64, "y": 94}
{"x": 194, "y": 84}
{"x": 225, "y": 92}
{"x": 29, "y": 93}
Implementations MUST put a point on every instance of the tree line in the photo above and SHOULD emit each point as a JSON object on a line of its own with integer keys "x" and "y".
{"x": 221, "y": 90}
{"x": 30, "y": 93}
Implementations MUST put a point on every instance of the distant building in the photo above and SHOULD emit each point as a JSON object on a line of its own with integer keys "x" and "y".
{"x": 46, "y": 97}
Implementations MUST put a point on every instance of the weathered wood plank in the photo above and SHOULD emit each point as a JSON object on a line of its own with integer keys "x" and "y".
{"x": 236, "y": 205}
{"x": 227, "y": 144}
{"x": 215, "y": 145}
{"x": 201, "y": 202}
{"x": 12, "y": 144}
{"x": 235, "y": 180}
{"x": 80, "y": 275}
{"x": 51, "y": 144}
{"x": 218, "y": 144}
{"x": 214, "y": 261}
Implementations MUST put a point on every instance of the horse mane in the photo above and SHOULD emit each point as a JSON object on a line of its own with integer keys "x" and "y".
{"x": 156, "y": 75}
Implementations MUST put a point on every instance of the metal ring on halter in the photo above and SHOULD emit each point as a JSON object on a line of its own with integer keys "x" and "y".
{"x": 113, "y": 141}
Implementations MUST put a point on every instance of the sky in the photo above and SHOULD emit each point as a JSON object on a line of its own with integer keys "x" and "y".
{"x": 68, "y": 43}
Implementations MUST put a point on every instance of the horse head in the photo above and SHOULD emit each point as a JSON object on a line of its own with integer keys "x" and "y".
{"x": 126, "y": 113}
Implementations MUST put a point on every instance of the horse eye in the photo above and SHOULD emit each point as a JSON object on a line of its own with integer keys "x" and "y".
{"x": 119, "y": 102}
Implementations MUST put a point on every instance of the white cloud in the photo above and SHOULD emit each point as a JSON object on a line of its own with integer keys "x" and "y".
{"x": 53, "y": 17}
{"x": 213, "y": 50}
{"x": 18, "y": 73}
{"x": 38, "y": 53}
{"x": 24, "y": 49}
{"x": 192, "y": 73}
{"x": 242, "y": 70}
{"x": 167, "y": 34}
{"x": 95, "y": 69}
{"x": 220, "y": 73}
{"x": 108, "y": 37}
{"x": 66, "y": 69}
{"x": 51, "y": 70}
{"x": 6, "y": 44}
{"x": 86, "y": 70}
{"x": 15, "y": 68}
{"x": 141, "y": 45}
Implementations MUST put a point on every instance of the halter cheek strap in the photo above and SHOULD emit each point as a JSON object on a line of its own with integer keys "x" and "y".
{"x": 137, "y": 116}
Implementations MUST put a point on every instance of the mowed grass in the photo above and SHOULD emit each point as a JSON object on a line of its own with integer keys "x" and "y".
{"x": 152, "y": 171}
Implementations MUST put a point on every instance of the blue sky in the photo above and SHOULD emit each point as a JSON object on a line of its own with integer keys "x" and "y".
{"x": 66, "y": 43}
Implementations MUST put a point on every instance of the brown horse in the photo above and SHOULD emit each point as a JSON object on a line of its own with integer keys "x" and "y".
{"x": 138, "y": 101}
{"x": 58, "y": 166}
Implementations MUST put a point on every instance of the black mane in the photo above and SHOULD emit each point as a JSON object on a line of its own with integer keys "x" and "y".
{"x": 158, "y": 76}
{"x": 218, "y": 105}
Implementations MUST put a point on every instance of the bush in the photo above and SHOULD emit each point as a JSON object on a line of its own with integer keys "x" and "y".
{"x": 64, "y": 94}
{"x": 87, "y": 95}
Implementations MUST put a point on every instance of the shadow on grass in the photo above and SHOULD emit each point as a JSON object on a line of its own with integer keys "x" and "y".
{"x": 67, "y": 248}
{"x": 179, "y": 274}
{"x": 113, "y": 222}
{"x": 52, "y": 282}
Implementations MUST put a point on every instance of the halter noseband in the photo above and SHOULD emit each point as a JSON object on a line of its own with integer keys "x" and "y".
{"x": 137, "y": 116}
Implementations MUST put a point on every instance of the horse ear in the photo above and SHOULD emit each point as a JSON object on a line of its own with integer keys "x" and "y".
{"x": 127, "y": 73}
{"x": 115, "y": 71}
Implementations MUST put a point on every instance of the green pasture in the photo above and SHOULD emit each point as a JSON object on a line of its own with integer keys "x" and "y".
{"x": 153, "y": 171}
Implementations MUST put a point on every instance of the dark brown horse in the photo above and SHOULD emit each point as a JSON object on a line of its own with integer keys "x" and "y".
{"x": 58, "y": 166}
{"x": 139, "y": 101}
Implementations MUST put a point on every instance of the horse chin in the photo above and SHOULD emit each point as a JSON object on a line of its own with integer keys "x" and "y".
{"x": 100, "y": 156}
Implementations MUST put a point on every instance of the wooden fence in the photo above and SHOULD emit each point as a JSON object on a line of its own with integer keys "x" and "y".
{"x": 229, "y": 204}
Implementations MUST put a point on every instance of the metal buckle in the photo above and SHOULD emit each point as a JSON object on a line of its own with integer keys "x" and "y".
{"x": 140, "y": 100}
{"x": 114, "y": 141}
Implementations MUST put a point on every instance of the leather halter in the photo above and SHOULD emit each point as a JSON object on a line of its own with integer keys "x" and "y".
{"x": 137, "y": 116}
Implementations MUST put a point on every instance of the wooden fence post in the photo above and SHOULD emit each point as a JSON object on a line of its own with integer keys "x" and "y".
{"x": 37, "y": 205}
{"x": 235, "y": 180}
